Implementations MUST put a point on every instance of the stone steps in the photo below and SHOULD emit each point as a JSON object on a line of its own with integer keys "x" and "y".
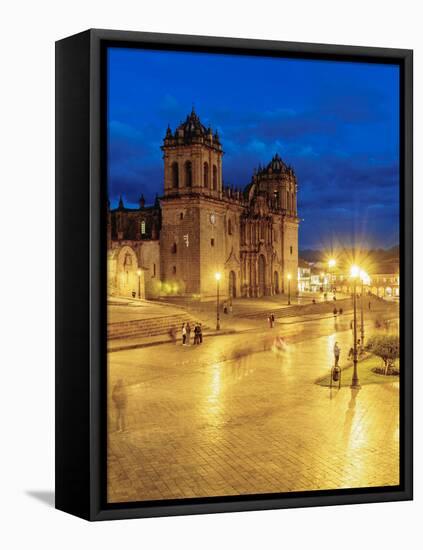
{"x": 298, "y": 310}
{"x": 144, "y": 328}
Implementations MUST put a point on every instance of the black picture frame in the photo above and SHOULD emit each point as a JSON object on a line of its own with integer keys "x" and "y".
{"x": 81, "y": 206}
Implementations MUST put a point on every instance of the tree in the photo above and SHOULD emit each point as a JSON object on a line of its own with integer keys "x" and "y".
{"x": 387, "y": 348}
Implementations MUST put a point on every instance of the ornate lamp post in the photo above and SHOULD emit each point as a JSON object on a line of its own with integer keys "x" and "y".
{"x": 363, "y": 277}
{"x": 139, "y": 283}
{"x": 355, "y": 273}
{"x": 331, "y": 264}
{"x": 217, "y": 276}
{"x": 289, "y": 289}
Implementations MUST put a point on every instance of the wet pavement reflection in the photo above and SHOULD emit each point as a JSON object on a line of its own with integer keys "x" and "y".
{"x": 224, "y": 418}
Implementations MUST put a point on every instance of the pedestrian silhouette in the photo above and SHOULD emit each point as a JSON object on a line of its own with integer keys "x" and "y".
{"x": 120, "y": 400}
{"x": 336, "y": 353}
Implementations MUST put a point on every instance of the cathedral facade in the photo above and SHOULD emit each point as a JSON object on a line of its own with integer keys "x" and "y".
{"x": 200, "y": 227}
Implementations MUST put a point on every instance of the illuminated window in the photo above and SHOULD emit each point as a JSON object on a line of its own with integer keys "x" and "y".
{"x": 142, "y": 227}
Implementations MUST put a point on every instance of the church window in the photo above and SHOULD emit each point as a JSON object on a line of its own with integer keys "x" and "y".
{"x": 188, "y": 173}
{"x": 174, "y": 248}
{"x": 212, "y": 242}
{"x": 229, "y": 227}
{"x": 174, "y": 269}
{"x": 175, "y": 175}
{"x": 290, "y": 250}
{"x": 242, "y": 234}
{"x": 206, "y": 174}
{"x": 214, "y": 177}
{"x": 154, "y": 270}
{"x": 142, "y": 227}
{"x": 181, "y": 215}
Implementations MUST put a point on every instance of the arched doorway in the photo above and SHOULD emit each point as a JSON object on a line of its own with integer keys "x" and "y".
{"x": 276, "y": 282}
{"x": 232, "y": 284}
{"x": 124, "y": 276}
{"x": 261, "y": 275}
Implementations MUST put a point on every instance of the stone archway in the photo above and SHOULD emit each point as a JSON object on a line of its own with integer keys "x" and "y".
{"x": 261, "y": 283}
{"x": 276, "y": 282}
{"x": 232, "y": 284}
{"x": 125, "y": 279}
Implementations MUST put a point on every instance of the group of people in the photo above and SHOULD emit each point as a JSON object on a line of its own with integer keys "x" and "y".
{"x": 337, "y": 352}
{"x": 186, "y": 334}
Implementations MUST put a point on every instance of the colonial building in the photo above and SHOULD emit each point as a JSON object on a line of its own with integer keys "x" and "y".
{"x": 201, "y": 227}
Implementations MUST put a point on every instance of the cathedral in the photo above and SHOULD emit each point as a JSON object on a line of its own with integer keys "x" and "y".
{"x": 199, "y": 227}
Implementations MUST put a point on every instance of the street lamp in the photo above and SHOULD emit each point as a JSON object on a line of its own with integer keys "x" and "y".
{"x": 139, "y": 283}
{"x": 289, "y": 289}
{"x": 331, "y": 264}
{"x": 355, "y": 273}
{"x": 217, "y": 276}
{"x": 364, "y": 280}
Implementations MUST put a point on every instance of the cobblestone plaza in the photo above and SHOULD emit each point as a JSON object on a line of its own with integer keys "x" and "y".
{"x": 207, "y": 421}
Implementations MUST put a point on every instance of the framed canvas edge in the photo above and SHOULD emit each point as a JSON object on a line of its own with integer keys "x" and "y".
{"x": 97, "y": 511}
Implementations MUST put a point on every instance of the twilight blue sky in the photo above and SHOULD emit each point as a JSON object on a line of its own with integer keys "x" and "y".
{"x": 336, "y": 123}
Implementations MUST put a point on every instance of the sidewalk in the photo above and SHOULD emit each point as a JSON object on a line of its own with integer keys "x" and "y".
{"x": 257, "y": 327}
{"x": 120, "y": 344}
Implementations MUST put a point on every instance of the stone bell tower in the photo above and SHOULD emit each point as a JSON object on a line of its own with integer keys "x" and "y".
{"x": 192, "y": 159}
{"x": 191, "y": 238}
{"x": 279, "y": 182}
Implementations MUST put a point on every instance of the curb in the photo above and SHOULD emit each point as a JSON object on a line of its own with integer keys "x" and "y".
{"x": 139, "y": 345}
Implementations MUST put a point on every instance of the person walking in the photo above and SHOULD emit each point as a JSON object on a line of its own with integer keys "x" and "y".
{"x": 172, "y": 334}
{"x": 197, "y": 334}
{"x": 188, "y": 329}
{"x": 120, "y": 400}
{"x": 184, "y": 334}
{"x": 200, "y": 333}
{"x": 336, "y": 353}
{"x": 335, "y": 312}
{"x": 341, "y": 311}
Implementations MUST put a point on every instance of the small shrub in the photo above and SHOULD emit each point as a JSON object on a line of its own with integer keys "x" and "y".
{"x": 387, "y": 348}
